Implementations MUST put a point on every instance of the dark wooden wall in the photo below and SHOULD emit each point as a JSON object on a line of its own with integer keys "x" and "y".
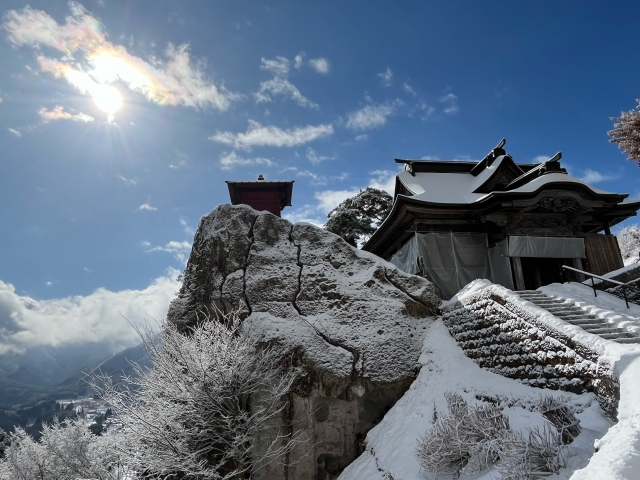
{"x": 603, "y": 254}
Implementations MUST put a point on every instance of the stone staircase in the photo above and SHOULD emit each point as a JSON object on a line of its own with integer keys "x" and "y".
{"x": 575, "y": 315}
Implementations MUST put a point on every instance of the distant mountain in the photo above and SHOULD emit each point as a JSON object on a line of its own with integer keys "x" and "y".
{"x": 115, "y": 367}
{"x": 28, "y": 385}
{"x": 28, "y": 376}
{"x": 26, "y": 399}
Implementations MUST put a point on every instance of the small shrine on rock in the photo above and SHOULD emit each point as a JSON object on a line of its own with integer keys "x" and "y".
{"x": 261, "y": 194}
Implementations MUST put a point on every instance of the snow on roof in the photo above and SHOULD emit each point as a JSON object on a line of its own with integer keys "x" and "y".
{"x": 458, "y": 188}
{"x": 439, "y": 187}
{"x": 537, "y": 182}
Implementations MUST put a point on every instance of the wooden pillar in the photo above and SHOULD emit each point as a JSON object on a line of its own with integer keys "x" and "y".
{"x": 517, "y": 271}
{"x": 607, "y": 230}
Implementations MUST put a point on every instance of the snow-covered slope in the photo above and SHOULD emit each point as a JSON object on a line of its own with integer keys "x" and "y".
{"x": 391, "y": 446}
{"x": 603, "y": 451}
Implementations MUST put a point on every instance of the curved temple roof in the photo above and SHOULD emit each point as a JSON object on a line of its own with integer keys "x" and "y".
{"x": 470, "y": 190}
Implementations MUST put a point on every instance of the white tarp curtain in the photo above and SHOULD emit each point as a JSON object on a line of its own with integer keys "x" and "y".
{"x": 548, "y": 247}
{"x": 500, "y": 264}
{"x": 406, "y": 259}
{"x": 452, "y": 260}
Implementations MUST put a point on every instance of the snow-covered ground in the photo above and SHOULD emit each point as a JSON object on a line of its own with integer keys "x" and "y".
{"x": 392, "y": 444}
{"x": 603, "y": 451}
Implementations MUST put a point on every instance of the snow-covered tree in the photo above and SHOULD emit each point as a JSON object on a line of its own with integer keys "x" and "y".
{"x": 626, "y": 133}
{"x": 65, "y": 452}
{"x": 209, "y": 407}
{"x": 629, "y": 241}
{"x": 356, "y": 218}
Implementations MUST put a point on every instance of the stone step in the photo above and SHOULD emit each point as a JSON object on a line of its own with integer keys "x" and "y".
{"x": 599, "y": 330}
{"x": 613, "y": 336}
{"x": 590, "y": 321}
{"x": 627, "y": 340}
{"x": 585, "y": 316}
{"x": 551, "y": 303}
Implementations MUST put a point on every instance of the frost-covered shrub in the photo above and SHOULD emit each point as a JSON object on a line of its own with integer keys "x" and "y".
{"x": 65, "y": 452}
{"x": 528, "y": 458}
{"x": 470, "y": 439}
{"x": 561, "y": 417}
{"x": 466, "y": 438}
{"x": 209, "y": 406}
{"x": 629, "y": 241}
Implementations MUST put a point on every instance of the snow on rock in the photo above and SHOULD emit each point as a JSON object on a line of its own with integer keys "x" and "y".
{"x": 352, "y": 321}
{"x": 391, "y": 445}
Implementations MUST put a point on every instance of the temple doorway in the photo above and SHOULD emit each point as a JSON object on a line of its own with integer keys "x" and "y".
{"x": 539, "y": 271}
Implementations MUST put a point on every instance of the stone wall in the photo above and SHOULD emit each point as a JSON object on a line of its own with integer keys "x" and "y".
{"x": 503, "y": 337}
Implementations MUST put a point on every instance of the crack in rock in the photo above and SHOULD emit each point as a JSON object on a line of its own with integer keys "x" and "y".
{"x": 354, "y": 352}
{"x": 246, "y": 264}
{"x": 295, "y": 297}
{"x": 414, "y": 298}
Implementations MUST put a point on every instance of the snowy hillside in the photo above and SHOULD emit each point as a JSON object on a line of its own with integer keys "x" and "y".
{"x": 603, "y": 450}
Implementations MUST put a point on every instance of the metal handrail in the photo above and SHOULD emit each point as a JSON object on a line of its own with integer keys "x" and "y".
{"x": 593, "y": 284}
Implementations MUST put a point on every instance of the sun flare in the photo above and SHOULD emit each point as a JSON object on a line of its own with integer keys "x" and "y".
{"x": 107, "y": 98}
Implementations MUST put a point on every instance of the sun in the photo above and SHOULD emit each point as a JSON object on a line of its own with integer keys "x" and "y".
{"x": 107, "y": 98}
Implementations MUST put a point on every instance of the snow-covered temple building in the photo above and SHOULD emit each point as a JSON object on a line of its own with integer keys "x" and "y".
{"x": 513, "y": 223}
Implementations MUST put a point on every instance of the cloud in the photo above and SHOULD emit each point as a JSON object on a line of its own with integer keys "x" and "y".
{"x": 593, "y": 176}
{"x": 271, "y": 136}
{"x": 384, "y": 180}
{"x": 58, "y": 113}
{"x": 98, "y": 318}
{"x": 280, "y": 85}
{"x": 182, "y": 157}
{"x": 450, "y": 104}
{"x": 425, "y": 108}
{"x": 180, "y": 250}
{"x": 89, "y": 61}
{"x": 407, "y": 88}
{"x": 14, "y": 132}
{"x": 230, "y": 160}
{"x": 386, "y": 77}
{"x": 172, "y": 247}
{"x": 298, "y": 61}
{"x": 372, "y": 116}
{"x": 315, "y": 158}
{"x": 146, "y": 206}
{"x": 306, "y": 214}
{"x": 187, "y": 229}
{"x": 320, "y": 65}
{"x": 361, "y": 138}
{"x": 128, "y": 181}
{"x": 315, "y": 178}
{"x": 541, "y": 158}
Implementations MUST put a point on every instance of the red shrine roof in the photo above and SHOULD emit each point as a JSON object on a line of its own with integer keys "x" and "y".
{"x": 261, "y": 194}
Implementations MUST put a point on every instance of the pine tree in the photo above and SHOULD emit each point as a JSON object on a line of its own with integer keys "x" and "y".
{"x": 356, "y": 218}
{"x": 626, "y": 133}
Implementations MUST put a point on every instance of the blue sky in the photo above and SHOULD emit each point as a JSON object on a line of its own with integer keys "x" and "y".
{"x": 325, "y": 93}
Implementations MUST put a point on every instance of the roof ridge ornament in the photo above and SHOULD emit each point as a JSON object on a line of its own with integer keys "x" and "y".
{"x": 495, "y": 152}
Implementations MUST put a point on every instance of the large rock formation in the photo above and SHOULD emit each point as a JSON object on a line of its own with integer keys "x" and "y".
{"x": 352, "y": 321}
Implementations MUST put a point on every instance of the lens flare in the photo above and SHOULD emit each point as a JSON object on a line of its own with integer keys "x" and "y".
{"x": 107, "y": 98}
